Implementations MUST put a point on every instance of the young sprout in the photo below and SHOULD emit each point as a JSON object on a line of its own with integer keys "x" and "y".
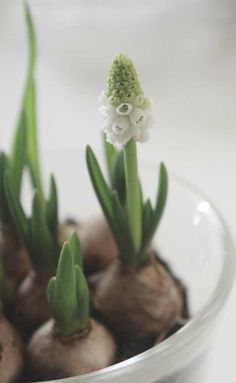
{"x": 67, "y": 292}
{"x": 33, "y": 158}
{"x": 40, "y": 236}
{"x": 71, "y": 343}
{"x": 16, "y": 160}
{"x": 25, "y": 136}
{"x": 39, "y": 232}
{"x": 14, "y": 257}
{"x": 16, "y": 163}
{"x": 153, "y": 299}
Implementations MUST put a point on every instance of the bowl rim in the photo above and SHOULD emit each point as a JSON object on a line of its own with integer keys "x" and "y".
{"x": 197, "y": 324}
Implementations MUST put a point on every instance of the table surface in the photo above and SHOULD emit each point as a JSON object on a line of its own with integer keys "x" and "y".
{"x": 195, "y": 133}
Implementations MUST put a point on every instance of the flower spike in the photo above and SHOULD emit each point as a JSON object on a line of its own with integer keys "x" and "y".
{"x": 125, "y": 112}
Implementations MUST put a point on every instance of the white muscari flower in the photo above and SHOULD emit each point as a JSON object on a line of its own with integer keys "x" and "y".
{"x": 125, "y": 112}
{"x": 126, "y": 121}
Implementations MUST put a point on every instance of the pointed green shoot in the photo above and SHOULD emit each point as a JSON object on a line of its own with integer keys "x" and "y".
{"x": 152, "y": 216}
{"x": 74, "y": 246}
{"x": 43, "y": 249}
{"x": 52, "y": 208}
{"x": 67, "y": 292}
{"x": 35, "y": 231}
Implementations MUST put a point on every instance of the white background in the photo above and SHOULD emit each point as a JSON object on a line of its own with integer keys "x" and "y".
{"x": 190, "y": 73}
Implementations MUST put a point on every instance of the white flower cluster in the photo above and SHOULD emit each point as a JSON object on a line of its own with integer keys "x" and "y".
{"x": 126, "y": 121}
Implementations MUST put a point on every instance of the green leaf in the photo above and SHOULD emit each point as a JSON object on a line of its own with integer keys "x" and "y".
{"x": 152, "y": 217}
{"x": 31, "y": 39}
{"x": 162, "y": 195}
{"x": 52, "y": 209}
{"x": 30, "y": 105}
{"x": 51, "y": 294}
{"x": 42, "y": 248}
{"x": 3, "y": 167}
{"x": 100, "y": 186}
{"x": 148, "y": 215}
{"x": 118, "y": 176}
{"x": 122, "y": 233}
{"x": 66, "y": 302}
{"x": 74, "y": 246}
{"x": 68, "y": 294}
{"x": 148, "y": 224}
{"x": 16, "y": 210}
{"x": 19, "y": 149}
{"x": 116, "y": 169}
{"x": 110, "y": 151}
{"x": 83, "y": 298}
{"x": 32, "y": 146}
{"x": 18, "y": 156}
{"x": 111, "y": 207}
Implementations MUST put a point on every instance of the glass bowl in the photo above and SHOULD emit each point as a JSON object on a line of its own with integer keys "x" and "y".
{"x": 173, "y": 44}
{"x": 196, "y": 243}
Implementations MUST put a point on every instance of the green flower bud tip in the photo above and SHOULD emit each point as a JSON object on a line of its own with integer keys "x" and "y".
{"x": 122, "y": 85}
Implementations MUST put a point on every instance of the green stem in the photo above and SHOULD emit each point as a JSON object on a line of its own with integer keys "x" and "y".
{"x": 133, "y": 192}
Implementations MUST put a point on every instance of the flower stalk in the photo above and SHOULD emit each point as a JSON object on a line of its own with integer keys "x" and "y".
{"x": 133, "y": 193}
